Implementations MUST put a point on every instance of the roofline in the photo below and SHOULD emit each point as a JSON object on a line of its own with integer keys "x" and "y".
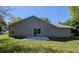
{"x": 20, "y": 21}
{"x": 39, "y": 19}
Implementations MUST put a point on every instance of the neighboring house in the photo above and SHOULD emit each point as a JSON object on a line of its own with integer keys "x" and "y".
{"x": 34, "y": 26}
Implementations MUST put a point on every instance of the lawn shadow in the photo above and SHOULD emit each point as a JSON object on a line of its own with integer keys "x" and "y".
{"x": 63, "y": 39}
{"x": 54, "y": 39}
{"x": 18, "y": 37}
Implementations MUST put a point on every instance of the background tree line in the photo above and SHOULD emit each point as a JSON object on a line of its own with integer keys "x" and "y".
{"x": 72, "y": 21}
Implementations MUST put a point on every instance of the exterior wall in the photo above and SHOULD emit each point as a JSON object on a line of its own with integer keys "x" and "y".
{"x": 64, "y": 32}
{"x": 25, "y": 28}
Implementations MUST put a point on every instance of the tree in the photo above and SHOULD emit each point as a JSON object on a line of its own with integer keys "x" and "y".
{"x": 74, "y": 19}
{"x": 59, "y": 22}
{"x": 74, "y": 11}
{"x": 0, "y": 28}
{"x": 4, "y": 11}
{"x": 2, "y": 22}
{"x": 45, "y": 19}
{"x": 14, "y": 19}
{"x": 71, "y": 22}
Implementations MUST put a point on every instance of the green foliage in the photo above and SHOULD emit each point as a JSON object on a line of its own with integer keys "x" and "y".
{"x": 74, "y": 20}
{"x": 2, "y": 22}
{"x": 14, "y": 19}
{"x": 45, "y": 19}
{"x": 11, "y": 45}
{"x": 59, "y": 22}
{"x": 74, "y": 11}
{"x": 0, "y": 27}
{"x": 71, "y": 22}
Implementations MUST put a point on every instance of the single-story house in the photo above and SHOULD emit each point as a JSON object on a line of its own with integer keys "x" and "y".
{"x": 34, "y": 26}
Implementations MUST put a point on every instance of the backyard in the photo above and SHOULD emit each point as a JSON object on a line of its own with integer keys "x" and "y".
{"x": 12, "y": 45}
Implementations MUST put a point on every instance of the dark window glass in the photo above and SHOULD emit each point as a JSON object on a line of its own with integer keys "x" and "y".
{"x": 35, "y": 31}
{"x": 39, "y": 31}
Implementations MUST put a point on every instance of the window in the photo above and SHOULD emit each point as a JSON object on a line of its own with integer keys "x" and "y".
{"x": 35, "y": 31}
{"x": 39, "y": 31}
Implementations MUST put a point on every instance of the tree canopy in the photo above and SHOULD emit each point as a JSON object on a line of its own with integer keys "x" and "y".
{"x": 72, "y": 22}
{"x": 14, "y": 19}
{"x": 2, "y": 22}
{"x": 74, "y": 12}
{"x": 45, "y": 19}
{"x": 74, "y": 19}
{"x": 0, "y": 28}
{"x": 4, "y": 11}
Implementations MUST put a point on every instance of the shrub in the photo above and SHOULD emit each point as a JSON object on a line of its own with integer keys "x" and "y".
{"x": 18, "y": 37}
{"x": 0, "y": 28}
{"x": 75, "y": 32}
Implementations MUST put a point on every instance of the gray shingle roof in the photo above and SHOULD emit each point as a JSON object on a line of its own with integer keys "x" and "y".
{"x": 61, "y": 26}
{"x": 55, "y": 25}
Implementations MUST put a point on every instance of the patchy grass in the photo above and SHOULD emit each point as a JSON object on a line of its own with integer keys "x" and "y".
{"x": 11, "y": 45}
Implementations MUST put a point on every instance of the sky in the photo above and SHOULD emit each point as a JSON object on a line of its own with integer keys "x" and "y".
{"x": 54, "y": 13}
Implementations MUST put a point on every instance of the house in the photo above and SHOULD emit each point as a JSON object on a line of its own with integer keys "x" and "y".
{"x": 34, "y": 26}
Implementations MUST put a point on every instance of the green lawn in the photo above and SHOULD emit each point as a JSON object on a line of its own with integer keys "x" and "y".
{"x": 8, "y": 44}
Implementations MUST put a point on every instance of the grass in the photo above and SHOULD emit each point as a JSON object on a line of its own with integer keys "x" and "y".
{"x": 12, "y": 45}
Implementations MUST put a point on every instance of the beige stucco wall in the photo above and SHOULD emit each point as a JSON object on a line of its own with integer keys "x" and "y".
{"x": 25, "y": 28}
